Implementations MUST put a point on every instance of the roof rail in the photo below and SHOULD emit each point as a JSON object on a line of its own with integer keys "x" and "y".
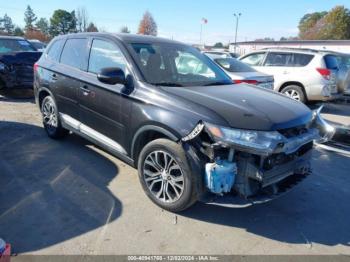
{"x": 295, "y": 49}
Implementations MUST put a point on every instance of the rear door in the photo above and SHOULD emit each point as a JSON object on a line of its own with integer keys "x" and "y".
{"x": 66, "y": 75}
{"x": 103, "y": 107}
{"x": 286, "y": 66}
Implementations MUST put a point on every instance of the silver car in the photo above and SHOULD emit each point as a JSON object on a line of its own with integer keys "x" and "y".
{"x": 344, "y": 73}
{"x": 302, "y": 74}
{"x": 242, "y": 73}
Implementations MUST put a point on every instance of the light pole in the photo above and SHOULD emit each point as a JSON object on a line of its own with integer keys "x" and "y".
{"x": 238, "y": 16}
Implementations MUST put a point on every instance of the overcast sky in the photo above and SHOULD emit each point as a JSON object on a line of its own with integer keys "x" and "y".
{"x": 181, "y": 19}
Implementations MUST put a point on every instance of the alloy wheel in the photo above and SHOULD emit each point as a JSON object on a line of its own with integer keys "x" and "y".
{"x": 293, "y": 94}
{"x": 163, "y": 176}
{"x": 49, "y": 114}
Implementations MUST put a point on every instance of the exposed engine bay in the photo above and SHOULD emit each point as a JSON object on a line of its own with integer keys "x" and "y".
{"x": 251, "y": 164}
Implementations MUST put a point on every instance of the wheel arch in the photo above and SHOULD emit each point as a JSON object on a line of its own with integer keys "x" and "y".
{"x": 146, "y": 134}
{"x": 42, "y": 93}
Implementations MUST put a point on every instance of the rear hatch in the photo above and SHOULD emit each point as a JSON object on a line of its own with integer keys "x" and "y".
{"x": 21, "y": 64}
{"x": 332, "y": 65}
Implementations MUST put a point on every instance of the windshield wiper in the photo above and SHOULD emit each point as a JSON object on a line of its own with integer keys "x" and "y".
{"x": 166, "y": 84}
{"x": 217, "y": 84}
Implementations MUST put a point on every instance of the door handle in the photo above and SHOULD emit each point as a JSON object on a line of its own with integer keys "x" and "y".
{"x": 85, "y": 90}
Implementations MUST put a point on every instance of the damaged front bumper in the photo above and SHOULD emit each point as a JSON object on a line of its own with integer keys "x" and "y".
{"x": 262, "y": 171}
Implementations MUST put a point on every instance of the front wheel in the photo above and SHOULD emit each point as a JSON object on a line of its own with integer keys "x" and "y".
{"x": 51, "y": 120}
{"x": 166, "y": 177}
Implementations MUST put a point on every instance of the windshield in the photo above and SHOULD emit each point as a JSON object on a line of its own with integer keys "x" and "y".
{"x": 233, "y": 65}
{"x": 15, "y": 45}
{"x": 176, "y": 65}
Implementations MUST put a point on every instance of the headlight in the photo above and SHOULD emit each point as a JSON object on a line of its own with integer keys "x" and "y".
{"x": 263, "y": 141}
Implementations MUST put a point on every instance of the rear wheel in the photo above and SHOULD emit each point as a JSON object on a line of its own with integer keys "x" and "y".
{"x": 295, "y": 92}
{"x": 51, "y": 120}
{"x": 166, "y": 177}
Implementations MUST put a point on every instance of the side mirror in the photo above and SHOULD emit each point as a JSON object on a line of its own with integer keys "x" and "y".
{"x": 112, "y": 76}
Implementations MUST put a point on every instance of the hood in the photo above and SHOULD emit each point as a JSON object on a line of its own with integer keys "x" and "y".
{"x": 247, "y": 107}
{"x": 20, "y": 58}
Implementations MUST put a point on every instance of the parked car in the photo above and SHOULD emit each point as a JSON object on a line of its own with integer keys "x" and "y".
{"x": 344, "y": 72}
{"x": 192, "y": 135}
{"x": 17, "y": 57}
{"x": 303, "y": 74}
{"x": 223, "y": 54}
{"x": 243, "y": 73}
{"x": 40, "y": 46}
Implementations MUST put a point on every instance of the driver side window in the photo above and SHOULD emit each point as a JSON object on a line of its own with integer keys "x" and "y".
{"x": 105, "y": 54}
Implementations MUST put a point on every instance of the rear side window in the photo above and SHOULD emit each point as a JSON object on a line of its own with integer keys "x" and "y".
{"x": 55, "y": 50}
{"x": 105, "y": 54}
{"x": 331, "y": 62}
{"x": 279, "y": 59}
{"x": 74, "y": 53}
{"x": 300, "y": 60}
{"x": 254, "y": 59}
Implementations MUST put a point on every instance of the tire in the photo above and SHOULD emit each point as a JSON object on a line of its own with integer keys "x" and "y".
{"x": 295, "y": 92}
{"x": 179, "y": 175}
{"x": 51, "y": 120}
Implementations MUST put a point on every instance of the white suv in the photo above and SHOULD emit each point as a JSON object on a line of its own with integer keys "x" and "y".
{"x": 302, "y": 74}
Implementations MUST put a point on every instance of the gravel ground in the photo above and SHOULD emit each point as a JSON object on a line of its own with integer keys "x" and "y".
{"x": 69, "y": 197}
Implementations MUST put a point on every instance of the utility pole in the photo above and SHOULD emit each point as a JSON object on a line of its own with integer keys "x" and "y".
{"x": 203, "y": 22}
{"x": 238, "y": 16}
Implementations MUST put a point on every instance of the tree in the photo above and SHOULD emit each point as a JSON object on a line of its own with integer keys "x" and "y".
{"x": 91, "y": 28}
{"x": 82, "y": 19}
{"x": 29, "y": 18}
{"x": 62, "y": 22}
{"x": 326, "y": 25}
{"x": 8, "y": 26}
{"x": 43, "y": 26}
{"x": 18, "y": 31}
{"x": 336, "y": 24}
{"x": 219, "y": 45}
{"x": 125, "y": 30}
{"x": 147, "y": 25}
{"x": 36, "y": 34}
{"x": 307, "y": 25}
{"x": 2, "y": 32}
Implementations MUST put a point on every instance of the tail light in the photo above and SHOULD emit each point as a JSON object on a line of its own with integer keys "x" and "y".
{"x": 252, "y": 82}
{"x": 35, "y": 67}
{"x": 325, "y": 73}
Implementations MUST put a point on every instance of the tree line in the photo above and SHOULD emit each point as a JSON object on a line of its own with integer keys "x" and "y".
{"x": 64, "y": 22}
{"x": 325, "y": 25}
{"x": 332, "y": 25}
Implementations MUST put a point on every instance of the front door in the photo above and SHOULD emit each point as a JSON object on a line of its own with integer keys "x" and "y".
{"x": 104, "y": 108}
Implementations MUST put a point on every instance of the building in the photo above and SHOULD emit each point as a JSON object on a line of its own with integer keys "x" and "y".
{"x": 333, "y": 45}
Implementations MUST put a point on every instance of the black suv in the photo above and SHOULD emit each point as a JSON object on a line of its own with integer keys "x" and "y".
{"x": 17, "y": 57}
{"x": 168, "y": 110}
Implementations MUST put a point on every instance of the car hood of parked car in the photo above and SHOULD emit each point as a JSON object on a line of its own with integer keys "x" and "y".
{"x": 246, "y": 106}
{"x": 20, "y": 58}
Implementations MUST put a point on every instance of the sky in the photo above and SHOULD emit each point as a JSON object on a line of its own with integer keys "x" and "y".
{"x": 181, "y": 19}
